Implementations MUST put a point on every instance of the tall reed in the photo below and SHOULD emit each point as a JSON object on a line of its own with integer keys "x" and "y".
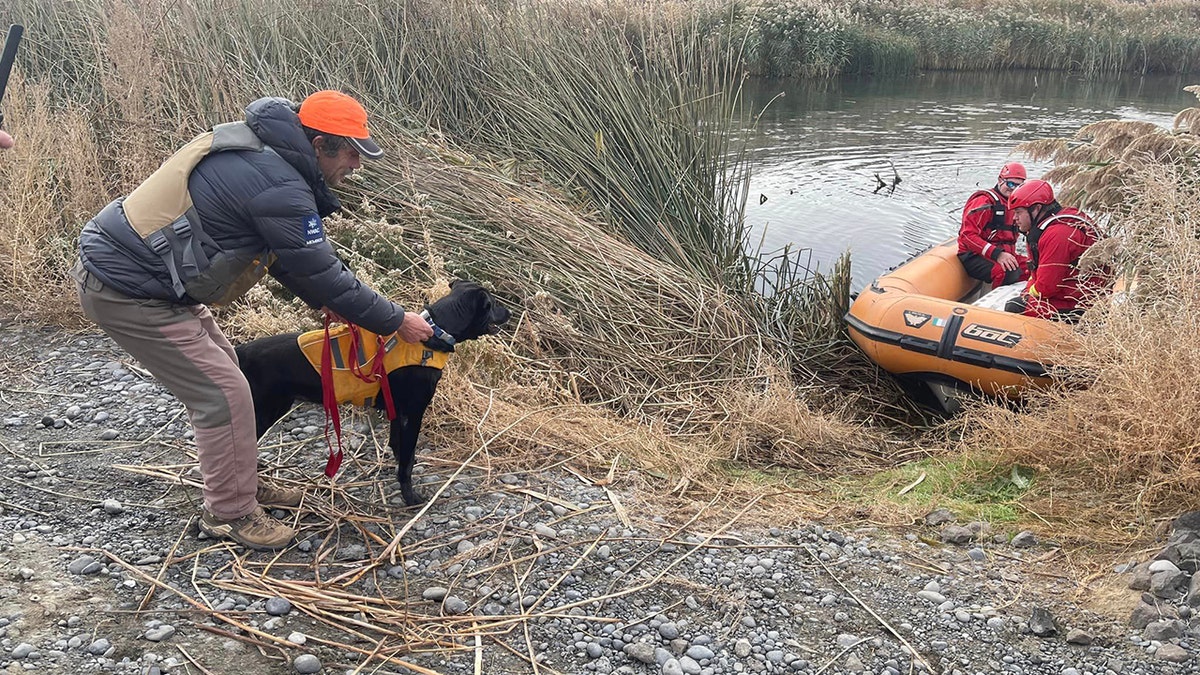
{"x": 574, "y": 156}
{"x": 1124, "y": 443}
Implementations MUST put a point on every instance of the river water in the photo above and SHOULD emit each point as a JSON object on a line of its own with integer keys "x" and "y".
{"x": 817, "y": 148}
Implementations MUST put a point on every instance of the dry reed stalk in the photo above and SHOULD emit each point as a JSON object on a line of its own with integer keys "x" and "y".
{"x": 1128, "y": 464}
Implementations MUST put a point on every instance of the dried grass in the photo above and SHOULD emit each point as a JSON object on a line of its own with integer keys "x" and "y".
{"x": 1120, "y": 452}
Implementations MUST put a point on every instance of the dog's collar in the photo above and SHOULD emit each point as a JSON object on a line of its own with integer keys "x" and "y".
{"x": 441, "y": 341}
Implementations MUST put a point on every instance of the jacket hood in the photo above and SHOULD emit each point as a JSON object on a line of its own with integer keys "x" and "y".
{"x": 275, "y": 122}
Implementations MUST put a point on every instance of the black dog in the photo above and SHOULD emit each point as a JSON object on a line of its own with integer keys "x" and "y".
{"x": 279, "y": 373}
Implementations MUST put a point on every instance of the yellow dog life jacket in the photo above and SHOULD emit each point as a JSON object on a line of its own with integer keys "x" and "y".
{"x": 348, "y": 387}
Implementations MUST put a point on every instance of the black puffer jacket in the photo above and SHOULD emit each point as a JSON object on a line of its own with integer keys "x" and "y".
{"x": 271, "y": 201}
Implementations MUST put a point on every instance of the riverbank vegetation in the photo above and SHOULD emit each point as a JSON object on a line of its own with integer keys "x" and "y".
{"x": 899, "y": 37}
{"x": 579, "y": 158}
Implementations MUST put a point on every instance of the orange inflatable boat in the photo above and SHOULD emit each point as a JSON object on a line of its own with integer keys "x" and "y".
{"x": 933, "y": 326}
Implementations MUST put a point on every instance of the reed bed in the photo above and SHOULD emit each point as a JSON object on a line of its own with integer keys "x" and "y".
{"x": 576, "y": 161}
{"x": 1123, "y": 443}
{"x": 895, "y": 37}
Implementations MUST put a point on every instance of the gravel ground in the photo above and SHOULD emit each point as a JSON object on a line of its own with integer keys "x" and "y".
{"x": 501, "y": 569}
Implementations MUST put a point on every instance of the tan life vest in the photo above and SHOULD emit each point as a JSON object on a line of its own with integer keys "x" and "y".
{"x": 348, "y": 386}
{"x": 161, "y": 211}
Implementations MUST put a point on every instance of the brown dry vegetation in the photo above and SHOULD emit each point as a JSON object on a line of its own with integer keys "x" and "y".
{"x": 624, "y": 360}
{"x": 635, "y": 344}
{"x": 1121, "y": 453}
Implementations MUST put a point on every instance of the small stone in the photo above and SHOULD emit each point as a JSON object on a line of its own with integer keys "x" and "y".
{"x": 932, "y": 596}
{"x": 455, "y": 605}
{"x": 672, "y": 667}
{"x": 160, "y": 633}
{"x": 99, "y": 647}
{"x": 1141, "y": 578}
{"x": 688, "y": 665}
{"x": 742, "y": 648}
{"x": 956, "y": 534}
{"x": 1024, "y": 539}
{"x": 307, "y": 663}
{"x": 938, "y": 517}
{"x": 1172, "y": 653}
{"x": 1076, "y": 636}
{"x": 1168, "y": 584}
{"x": 668, "y": 631}
{"x": 546, "y": 531}
{"x": 594, "y": 650}
{"x": 22, "y": 650}
{"x": 1143, "y": 615}
{"x": 977, "y": 554}
{"x": 84, "y": 564}
{"x": 1041, "y": 623}
{"x": 699, "y": 652}
{"x": 1164, "y": 631}
{"x": 1163, "y": 566}
{"x": 640, "y": 651}
{"x": 297, "y": 638}
{"x": 108, "y": 434}
{"x": 278, "y": 606}
{"x": 112, "y": 507}
{"x": 435, "y": 593}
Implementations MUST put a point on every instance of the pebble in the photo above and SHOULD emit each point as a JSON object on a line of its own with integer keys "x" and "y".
{"x": 112, "y": 507}
{"x": 99, "y": 647}
{"x": 278, "y": 606}
{"x": 307, "y": 663}
{"x": 297, "y": 638}
{"x": 699, "y": 652}
{"x": 435, "y": 593}
{"x": 160, "y": 633}
{"x": 931, "y": 596}
{"x": 22, "y": 650}
{"x": 672, "y": 667}
{"x": 84, "y": 564}
{"x": 455, "y": 605}
{"x": 742, "y": 648}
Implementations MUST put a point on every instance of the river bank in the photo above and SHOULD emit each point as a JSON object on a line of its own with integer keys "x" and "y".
{"x": 506, "y": 567}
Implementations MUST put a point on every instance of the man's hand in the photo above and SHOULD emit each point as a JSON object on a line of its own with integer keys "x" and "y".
{"x": 414, "y": 329}
{"x": 6, "y": 141}
{"x": 1008, "y": 261}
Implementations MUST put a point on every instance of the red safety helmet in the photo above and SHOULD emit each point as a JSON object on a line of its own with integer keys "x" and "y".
{"x": 1012, "y": 171}
{"x": 1030, "y": 193}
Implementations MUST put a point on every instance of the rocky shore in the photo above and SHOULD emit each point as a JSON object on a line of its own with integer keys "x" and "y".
{"x": 505, "y": 571}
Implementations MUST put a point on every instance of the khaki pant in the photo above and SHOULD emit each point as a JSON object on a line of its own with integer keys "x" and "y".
{"x": 185, "y": 350}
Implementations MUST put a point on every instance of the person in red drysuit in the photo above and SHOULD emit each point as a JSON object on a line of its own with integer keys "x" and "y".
{"x": 987, "y": 238}
{"x": 1057, "y": 236}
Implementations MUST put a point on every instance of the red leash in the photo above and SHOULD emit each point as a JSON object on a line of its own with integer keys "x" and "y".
{"x": 377, "y": 373}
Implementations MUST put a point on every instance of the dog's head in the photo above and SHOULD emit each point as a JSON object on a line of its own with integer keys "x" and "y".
{"x": 469, "y": 311}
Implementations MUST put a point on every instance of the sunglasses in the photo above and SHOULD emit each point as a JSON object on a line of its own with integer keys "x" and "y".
{"x": 1012, "y": 184}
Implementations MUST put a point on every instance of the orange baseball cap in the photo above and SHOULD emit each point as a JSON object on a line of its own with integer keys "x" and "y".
{"x": 339, "y": 114}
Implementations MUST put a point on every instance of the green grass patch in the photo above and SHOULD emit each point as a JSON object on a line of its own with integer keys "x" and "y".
{"x": 972, "y": 487}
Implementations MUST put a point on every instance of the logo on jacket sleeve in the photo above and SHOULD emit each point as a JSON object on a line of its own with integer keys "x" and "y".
{"x": 313, "y": 232}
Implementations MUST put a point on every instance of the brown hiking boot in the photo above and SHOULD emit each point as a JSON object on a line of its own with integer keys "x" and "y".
{"x": 274, "y": 495}
{"x": 256, "y": 530}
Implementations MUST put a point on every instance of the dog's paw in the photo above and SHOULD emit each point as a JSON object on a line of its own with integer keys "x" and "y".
{"x": 411, "y": 496}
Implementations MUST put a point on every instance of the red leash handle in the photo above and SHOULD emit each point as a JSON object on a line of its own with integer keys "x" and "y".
{"x": 329, "y": 401}
{"x": 376, "y": 373}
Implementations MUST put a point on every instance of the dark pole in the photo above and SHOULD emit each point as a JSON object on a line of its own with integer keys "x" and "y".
{"x": 6, "y": 61}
